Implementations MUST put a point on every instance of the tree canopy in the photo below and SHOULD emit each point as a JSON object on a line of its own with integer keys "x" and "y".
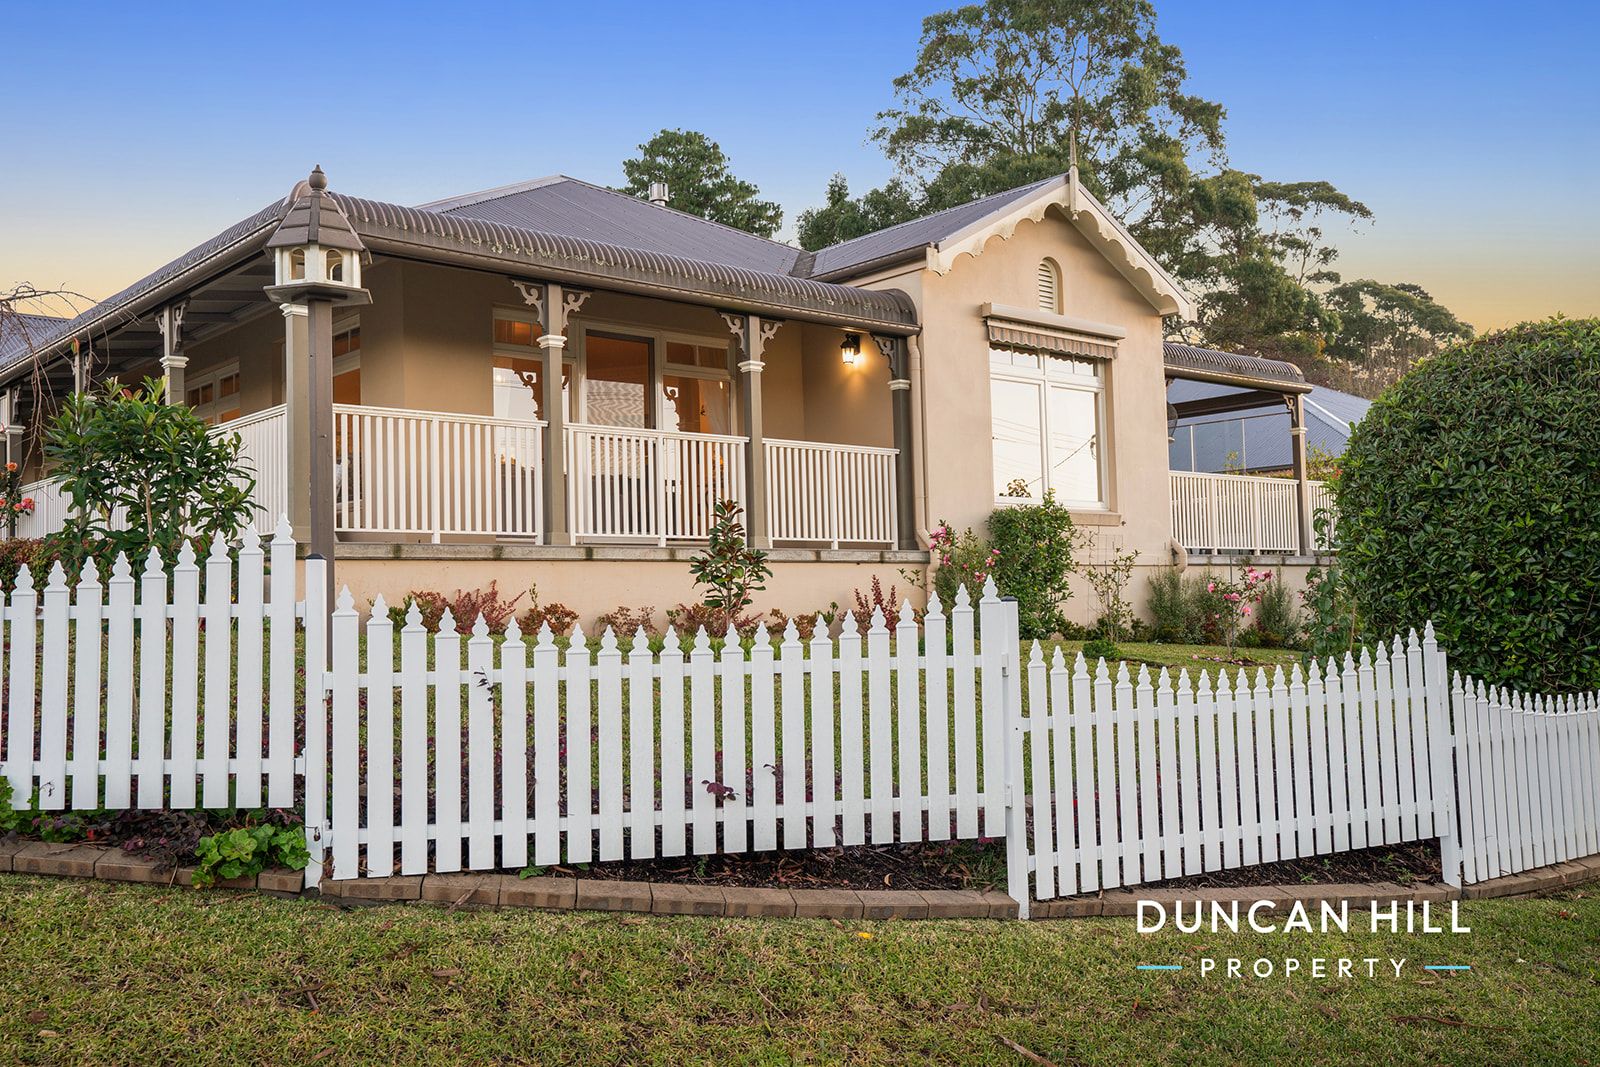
{"x": 844, "y": 217}
{"x": 700, "y": 182}
{"x": 1000, "y": 93}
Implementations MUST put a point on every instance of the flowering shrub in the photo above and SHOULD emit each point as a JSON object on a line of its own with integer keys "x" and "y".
{"x": 1237, "y": 597}
{"x": 13, "y": 505}
{"x": 958, "y": 559}
{"x": 625, "y": 622}
{"x": 556, "y": 615}
{"x": 1034, "y": 546}
{"x": 465, "y": 607}
{"x": 687, "y": 619}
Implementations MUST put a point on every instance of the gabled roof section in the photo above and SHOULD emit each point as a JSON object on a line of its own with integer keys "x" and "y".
{"x": 571, "y": 208}
{"x": 906, "y": 239}
{"x": 944, "y": 237}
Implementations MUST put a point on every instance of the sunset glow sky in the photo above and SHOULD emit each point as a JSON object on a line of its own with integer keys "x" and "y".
{"x": 131, "y": 134}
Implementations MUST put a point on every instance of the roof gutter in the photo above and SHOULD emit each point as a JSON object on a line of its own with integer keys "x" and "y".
{"x": 1243, "y": 381}
{"x": 892, "y": 259}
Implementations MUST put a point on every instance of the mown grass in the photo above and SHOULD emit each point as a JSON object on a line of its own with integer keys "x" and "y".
{"x": 1196, "y": 659}
{"x": 106, "y": 973}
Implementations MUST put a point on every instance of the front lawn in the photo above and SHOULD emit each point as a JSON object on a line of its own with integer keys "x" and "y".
{"x": 1196, "y": 659}
{"x": 104, "y": 973}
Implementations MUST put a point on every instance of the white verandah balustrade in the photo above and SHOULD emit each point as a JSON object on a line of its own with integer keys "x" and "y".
{"x": 831, "y": 493}
{"x": 649, "y": 485}
{"x": 430, "y": 473}
{"x": 1237, "y": 513}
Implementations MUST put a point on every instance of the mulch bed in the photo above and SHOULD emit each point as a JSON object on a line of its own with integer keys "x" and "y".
{"x": 947, "y": 865}
{"x": 981, "y": 865}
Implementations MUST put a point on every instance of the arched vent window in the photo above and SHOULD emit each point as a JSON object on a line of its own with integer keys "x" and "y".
{"x": 1049, "y": 286}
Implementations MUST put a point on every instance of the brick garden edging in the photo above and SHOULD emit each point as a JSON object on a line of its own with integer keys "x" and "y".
{"x": 561, "y": 892}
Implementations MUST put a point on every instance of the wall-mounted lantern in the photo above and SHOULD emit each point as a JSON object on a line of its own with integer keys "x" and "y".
{"x": 850, "y": 349}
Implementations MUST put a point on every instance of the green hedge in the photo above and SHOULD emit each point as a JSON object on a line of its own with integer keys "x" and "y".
{"x": 1470, "y": 495}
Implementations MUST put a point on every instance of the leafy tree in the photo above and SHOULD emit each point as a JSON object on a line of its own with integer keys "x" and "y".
{"x": 844, "y": 217}
{"x": 1470, "y": 496}
{"x": 141, "y": 473}
{"x": 1384, "y": 331}
{"x": 1002, "y": 91}
{"x": 729, "y": 569}
{"x": 697, "y": 175}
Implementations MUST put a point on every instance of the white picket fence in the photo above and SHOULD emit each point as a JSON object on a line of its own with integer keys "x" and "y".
{"x": 1140, "y": 781}
{"x": 1537, "y": 760}
{"x": 604, "y": 752}
{"x": 448, "y": 751}
{"x": 85, "y": 706}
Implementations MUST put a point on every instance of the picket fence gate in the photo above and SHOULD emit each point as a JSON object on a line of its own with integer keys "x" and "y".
{"x": 413, "y": 751}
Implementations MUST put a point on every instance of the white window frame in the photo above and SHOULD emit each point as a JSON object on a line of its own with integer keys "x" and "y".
{"x": 213, "y": 377}
{"x": 1043, "y": 383}
{"x": 580, "y": 328}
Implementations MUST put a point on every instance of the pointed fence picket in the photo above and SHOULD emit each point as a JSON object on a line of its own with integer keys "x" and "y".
{"x": 1135, "y": 781}
{"x": 669, "y": 747}
{"x": 91, "y": 718}
{"x": 180, "y": 686}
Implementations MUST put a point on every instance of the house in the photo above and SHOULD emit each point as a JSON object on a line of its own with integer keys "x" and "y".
{"x": 551, "y": 383}
{"x": 1257, "y": 441}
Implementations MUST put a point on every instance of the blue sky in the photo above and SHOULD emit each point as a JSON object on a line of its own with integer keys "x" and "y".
{"x": 1472, "y": 130}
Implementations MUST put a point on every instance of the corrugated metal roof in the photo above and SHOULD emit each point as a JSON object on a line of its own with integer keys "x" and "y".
{"x": 597, "y": 261}
{"x": 1183, "y": 357}
{"x": 1258, "y": 440}
{"x": 573, "y": 208}
{"x": 917, "y": 233}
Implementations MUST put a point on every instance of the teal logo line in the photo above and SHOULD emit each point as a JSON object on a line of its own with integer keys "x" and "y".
{"x": 1159, "y": 967}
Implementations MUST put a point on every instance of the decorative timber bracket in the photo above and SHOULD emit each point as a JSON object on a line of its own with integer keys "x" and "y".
{"x": 752, "y": 332}
{"x": 551, "y": 297}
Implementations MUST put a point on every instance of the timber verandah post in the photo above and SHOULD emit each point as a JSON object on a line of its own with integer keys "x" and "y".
{"x": 553, "y": 305}
{"x": 753, "y": 332}
{"x": 897, "y": 351}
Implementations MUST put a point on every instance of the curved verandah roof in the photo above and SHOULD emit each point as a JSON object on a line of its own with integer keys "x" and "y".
{"x": 392, "y": 229}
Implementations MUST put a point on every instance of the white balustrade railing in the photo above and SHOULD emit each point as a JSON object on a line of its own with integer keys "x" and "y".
{"x": 1322, "y": 500}
{"x": 435, "y": 474}
{"x": 49, "y": 508}
{"x": 432, "y": 473}
{"x": 649, "y": 485}
{"x": 264, "y": 446}
{"x": 1236, "y": 513}
{"x": 838, "y": 494}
